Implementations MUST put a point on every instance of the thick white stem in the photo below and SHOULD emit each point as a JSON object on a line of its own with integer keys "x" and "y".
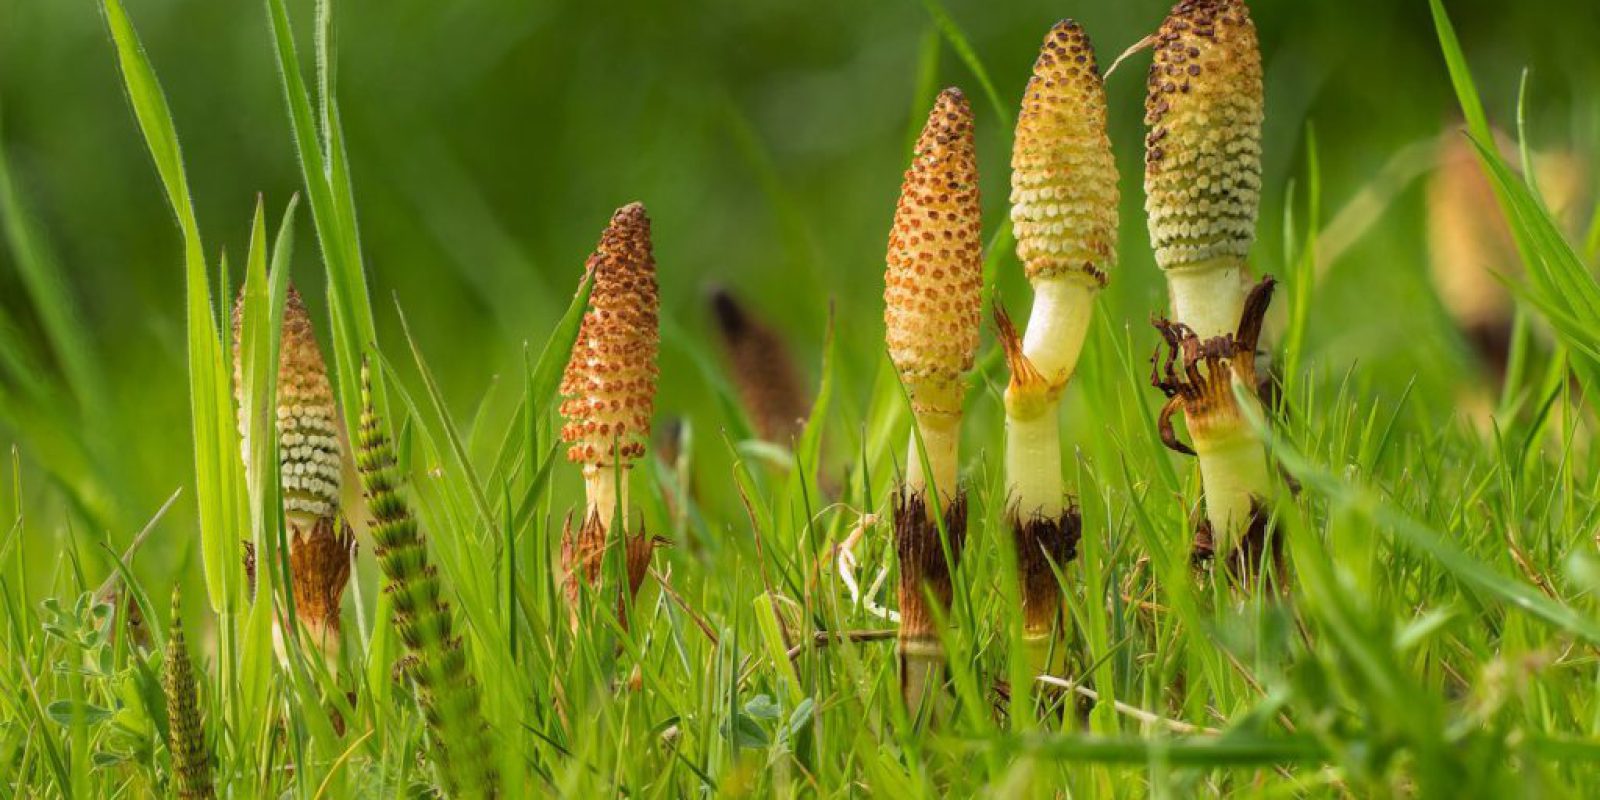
{"x": 1033, "y": 464}
{"x": 922, "y": 677}
{"x": 605, "y": 488}
{"x": 1208, "y": 296}
{"x": 1059, "y": 323}
{"x": 1062, "y": 308}
{"x": 1233, "y": 471}
{"x": 941, "y": 434}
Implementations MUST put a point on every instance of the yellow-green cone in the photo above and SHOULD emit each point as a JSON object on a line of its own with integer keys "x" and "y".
{"x": 1202, "y": 181}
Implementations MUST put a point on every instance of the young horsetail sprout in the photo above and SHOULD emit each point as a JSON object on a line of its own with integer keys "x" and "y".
{"x": 609, "y": 389}
{"x": 1064, "y": 210}
{"x": 186, "y": 735}
{"x": 1202, "y": 188}
{"x": 446, "y": 690}
{"x": 1471, "y": 249}
{"x": 933, "y": 283}
{"x": 309, "y": 458}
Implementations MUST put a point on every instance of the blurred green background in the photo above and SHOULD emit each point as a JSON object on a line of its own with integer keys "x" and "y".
{"x": 491, "y": 140}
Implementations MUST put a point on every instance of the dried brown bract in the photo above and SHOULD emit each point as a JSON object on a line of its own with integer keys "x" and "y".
{"x": 921, "y": 554}
{"x": 1257, "y": 548}
{"x": 319, "y": 566}
{"x": 926, "y": 582}
{"x": 583, "y": 551}
{"x": 1044, "y": 545}
{"x": 1198, "y": 377}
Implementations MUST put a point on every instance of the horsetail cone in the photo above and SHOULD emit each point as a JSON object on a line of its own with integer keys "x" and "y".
{"x": 186, "y": 736}
{"x": 1064, "y": 197}
{"x": 1064, "y": 209}
{"x": 1203, "y": 158}
{"x": 933, "y": 284}
{"x": 610, "y": 383}
{"x": 1202, "y": 191}
{"x": 309, "y": 464}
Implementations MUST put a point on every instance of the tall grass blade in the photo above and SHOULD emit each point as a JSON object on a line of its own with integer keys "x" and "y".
{"x": 328, "y": 188}
{"x": 217, "y": 471}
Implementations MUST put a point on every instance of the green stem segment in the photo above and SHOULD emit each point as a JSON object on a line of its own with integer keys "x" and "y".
{"x": 435, "y": 662}
{"x": 191, "y": 760}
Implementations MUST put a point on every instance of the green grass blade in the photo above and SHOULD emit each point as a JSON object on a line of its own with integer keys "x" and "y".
{"x": 327, "y": 180}
{"x": 217, "y": 469}
{"x": 963, "y": 46}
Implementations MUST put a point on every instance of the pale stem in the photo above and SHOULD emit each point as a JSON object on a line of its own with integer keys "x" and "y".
{"x": 1033, "y": 464}
{"x": 1059, "y": 323}
{"x": 1233, "y": 471}
{"x": 923, "y": 660}
{"x": 1040, "y": 648}
{"x": 604, "y": 486}
{"x": 941, "y": 434}
{"x": 1209, "y": 296}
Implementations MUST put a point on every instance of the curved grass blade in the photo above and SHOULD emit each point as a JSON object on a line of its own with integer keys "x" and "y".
{"x": 217, "y": 470}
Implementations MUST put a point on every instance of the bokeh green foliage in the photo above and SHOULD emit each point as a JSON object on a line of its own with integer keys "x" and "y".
{"x": 490, "y": 140}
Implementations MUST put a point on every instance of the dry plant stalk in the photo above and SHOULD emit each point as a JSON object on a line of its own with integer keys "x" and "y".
{"x": 310, "y": 460}
{"x": 1202, "y": 192}
{"x": 932, "y": 299}
{"x": 1064, "y": 208}
{"x": 609, "y": 389}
